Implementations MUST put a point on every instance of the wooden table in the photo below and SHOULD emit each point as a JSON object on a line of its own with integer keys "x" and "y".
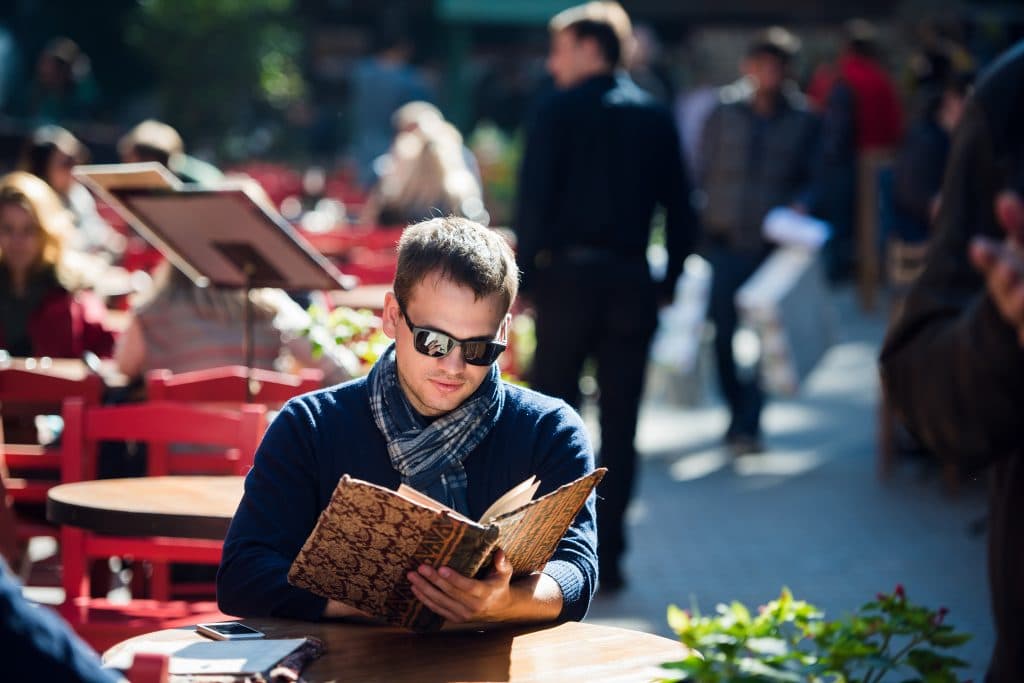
{"x": 177, "y": 507}
{"x": 65, "y": 368}
{"x": 364, "y": 296}
{"x": 567, "y": 652}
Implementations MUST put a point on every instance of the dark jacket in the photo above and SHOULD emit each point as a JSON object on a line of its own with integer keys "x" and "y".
{"x": 917, "y": 178}
{"x": 599, "y": 158}
{"x": 318, "y": 437}
{"x": 952, "y": 367}
{"x": 752, "y": 164}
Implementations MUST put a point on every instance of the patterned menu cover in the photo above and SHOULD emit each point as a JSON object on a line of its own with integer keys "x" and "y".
{"x": 369, "y": 537}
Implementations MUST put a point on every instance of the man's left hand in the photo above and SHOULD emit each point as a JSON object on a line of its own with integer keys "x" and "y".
{"x": 460, "y": 599}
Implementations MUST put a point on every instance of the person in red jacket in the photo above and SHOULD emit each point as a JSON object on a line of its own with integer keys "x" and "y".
{"x": 40, "y": 313}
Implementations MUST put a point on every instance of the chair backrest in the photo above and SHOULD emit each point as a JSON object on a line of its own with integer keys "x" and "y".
{"x": 42, "y": 390}
{"x": 158, "y": 424}
{"x": 228, "y": 385}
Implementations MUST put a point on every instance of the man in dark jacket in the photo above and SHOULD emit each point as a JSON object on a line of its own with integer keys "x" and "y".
{"x": 757, "y": 152}
{"x": 953, "y": 365}
{"x": 600, "y": 155}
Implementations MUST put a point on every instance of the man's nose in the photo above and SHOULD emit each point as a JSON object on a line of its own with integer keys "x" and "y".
{"x": 454, "y": 362}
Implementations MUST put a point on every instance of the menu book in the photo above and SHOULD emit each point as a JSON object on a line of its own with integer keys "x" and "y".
{"x": 369, "y": 537}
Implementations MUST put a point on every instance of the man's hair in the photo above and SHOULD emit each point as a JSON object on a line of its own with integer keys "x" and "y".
{"x": 606, "y": 23}
{"x": 776, "y": 42}
{"x": 152, "y": 141}
{"x": 861, "y": 37}
{"x": 459, "y": 250}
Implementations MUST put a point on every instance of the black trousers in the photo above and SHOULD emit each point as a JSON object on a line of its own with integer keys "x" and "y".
{"x": 606, "y": 311}
{"x": 730, "y": 268}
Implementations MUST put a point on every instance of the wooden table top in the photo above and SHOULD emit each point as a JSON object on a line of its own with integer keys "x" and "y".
{"x": 566, "y": 652}
{"x": 179, "y": 507}
{"x": 66, "y": 368}
{"x": 364, "y": 296}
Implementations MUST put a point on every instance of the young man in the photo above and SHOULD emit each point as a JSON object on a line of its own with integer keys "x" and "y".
{"x": 757, "y": 152}
{"x": 433, "y": 413}
{"x": 600, "y": 155}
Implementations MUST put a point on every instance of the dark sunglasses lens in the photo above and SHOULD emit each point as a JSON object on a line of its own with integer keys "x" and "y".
{"x": 433, "y": 343}
{"x": 481, "y": 353}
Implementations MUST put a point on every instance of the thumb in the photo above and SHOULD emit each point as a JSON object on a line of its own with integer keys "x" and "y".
{"x": 502, "y": 567}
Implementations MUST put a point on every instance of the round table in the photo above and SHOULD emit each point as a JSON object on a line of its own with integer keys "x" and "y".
{"x": 176, "y": 506}
{"x": 566, "y": 652}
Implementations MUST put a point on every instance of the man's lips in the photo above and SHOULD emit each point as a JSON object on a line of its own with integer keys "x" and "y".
{"x": 446, "y": 386}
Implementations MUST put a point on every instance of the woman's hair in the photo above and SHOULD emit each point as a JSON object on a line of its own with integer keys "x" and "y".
{"x": 53, "y": 221}
{"x": 45, "y": 140}
{"x": 429, "y": 172}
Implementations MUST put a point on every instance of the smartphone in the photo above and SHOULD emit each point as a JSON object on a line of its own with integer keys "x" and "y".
{"x": 228, "y": 630}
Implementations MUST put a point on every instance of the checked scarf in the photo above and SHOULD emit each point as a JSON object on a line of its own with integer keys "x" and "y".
{"x": 429, "y": 455}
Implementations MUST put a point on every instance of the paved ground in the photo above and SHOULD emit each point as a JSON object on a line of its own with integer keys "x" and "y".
{"x": 809, "y": 514}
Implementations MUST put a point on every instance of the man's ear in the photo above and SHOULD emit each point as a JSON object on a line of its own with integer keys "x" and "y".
{"x": 390, "y": 316}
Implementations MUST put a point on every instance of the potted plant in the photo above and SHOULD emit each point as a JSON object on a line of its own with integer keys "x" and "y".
{"x": 791, "y": 641}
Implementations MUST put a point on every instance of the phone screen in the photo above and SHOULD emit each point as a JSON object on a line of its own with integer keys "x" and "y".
{"x": 232, "y": 629}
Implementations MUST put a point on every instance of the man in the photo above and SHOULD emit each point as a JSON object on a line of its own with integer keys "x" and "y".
{"x": 600, "y": 155}
{"x": 953, "y": 365}
{"x": 756, "y": 154}
{"x": 433, "y": 413}
{"x": 154, "y": 140}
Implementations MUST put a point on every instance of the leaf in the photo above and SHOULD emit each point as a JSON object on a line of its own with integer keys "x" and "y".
{"x": 775, "y": 647}
{"x": 949, "y": 639}
{"x": 749, "y": 665}
{"x": 678, "y": 619}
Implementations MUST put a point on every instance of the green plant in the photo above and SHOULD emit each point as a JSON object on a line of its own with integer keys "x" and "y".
{"x": 790, "y": 641}
{"x": 358, "y": 330}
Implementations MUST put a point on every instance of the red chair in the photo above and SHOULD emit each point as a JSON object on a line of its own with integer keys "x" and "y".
{"x": 157, "y": 424}
{"x": 228, "y": 385}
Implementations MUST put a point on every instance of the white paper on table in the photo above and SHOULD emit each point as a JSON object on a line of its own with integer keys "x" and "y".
{"x": 211, "y": 656}
{"x": 783, "y": 225}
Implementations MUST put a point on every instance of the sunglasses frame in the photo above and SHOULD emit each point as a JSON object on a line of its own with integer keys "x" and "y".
{"x": 490, "y": 343}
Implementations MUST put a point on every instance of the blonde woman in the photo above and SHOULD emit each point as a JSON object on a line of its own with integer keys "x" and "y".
{"x": 425, "y": 176}
{"x": 41, "y": 314}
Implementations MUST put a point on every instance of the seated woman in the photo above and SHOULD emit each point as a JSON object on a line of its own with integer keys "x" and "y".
{"x": 424, "y": 175}
{"x": 181, "y": 327}
{"x": 41, "y": 314}
{"x": 50, "y": 154}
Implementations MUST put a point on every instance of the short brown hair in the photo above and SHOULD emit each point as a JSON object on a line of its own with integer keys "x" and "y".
{"x": 605, "y": 22}
{"x": 461, "y": 251}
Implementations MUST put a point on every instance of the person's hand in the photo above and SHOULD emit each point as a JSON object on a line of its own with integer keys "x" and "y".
{"x": 460, "y": 599}
{"x": 1002, "y": 263}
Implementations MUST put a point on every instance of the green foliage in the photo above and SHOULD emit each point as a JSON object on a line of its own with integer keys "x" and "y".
{"x": 358, "y": 330}
{"x": 790, "y": 641}
{"x": 217, "y": 59}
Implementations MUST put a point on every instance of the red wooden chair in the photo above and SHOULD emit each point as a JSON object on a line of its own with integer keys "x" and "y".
{"x": 157, "y": 424}
{"x": 228, "y": 385}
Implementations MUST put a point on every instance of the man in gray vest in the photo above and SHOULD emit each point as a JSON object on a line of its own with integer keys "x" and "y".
{"x": 757, "y": 153}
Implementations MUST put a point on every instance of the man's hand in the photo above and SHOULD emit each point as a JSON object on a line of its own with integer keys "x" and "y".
{"x": 1002, "y": 263}
{"x": 460, "y": 599}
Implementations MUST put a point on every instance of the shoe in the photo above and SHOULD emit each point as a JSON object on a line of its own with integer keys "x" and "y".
{"x": 744, "y": 444}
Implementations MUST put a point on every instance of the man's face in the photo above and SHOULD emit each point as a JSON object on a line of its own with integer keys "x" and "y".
{"x": 435, "y": 386}
{"x": 570, "y": 58}
{"x": 767, "y": 71}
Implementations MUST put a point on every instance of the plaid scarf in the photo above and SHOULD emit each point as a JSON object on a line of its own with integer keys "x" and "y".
{"x": 429, "y": 454}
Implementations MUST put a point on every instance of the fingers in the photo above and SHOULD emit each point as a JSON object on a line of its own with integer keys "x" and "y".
{"x": 984, "y": 254}
{"x": 1010, "y": 212}
{"x": 1002, "y": 264}
{"x": 502, "y": 570}
{"x": 436, "y": 599}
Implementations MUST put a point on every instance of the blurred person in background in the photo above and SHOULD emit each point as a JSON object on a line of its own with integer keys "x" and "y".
{"x": 182, "y": 327}
{"x": 50, "y": 154}
{"x": 758, "y": 152}
{"x": 862, "y": 115}
{"x": 600, "y": 155}
{"x": 381, "y": 83}
{"x": 63, "y": 89}
{"x": 425, "y": 173}
{"x": 953, "y": 364}
{"x": 157, "y": 141}
{"x": 921, "y": 162}
{"x": 41, "y": 313}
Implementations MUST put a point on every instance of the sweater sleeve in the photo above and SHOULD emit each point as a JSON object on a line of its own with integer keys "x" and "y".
{"x": 573, "y": 566}
{"x": 951, "y": 366}
{"x": 277, "y": 513}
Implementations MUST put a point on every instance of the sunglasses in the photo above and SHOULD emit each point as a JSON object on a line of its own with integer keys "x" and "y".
{"x": 437, "y": 344}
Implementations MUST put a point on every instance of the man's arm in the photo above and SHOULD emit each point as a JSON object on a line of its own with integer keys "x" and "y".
{"x": 952, "y": 366}
{"x": 681, "y": 229}
{"x": 564, "y": 588}
{"x": 538, "y": 177}
{"x": 276, "y": 515}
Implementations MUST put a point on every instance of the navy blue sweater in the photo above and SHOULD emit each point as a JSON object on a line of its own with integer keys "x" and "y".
{"x": 320, "y": 436}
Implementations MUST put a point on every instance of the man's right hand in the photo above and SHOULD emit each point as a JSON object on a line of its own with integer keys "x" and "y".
{"x": 1002, "y": 263}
